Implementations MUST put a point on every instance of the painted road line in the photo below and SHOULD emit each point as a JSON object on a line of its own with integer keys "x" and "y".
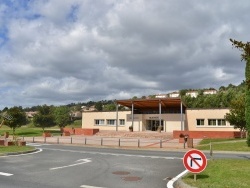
{"x": 113, "y": 154}
{"x": 88, "y": 186}
{"x": 82, "y": 161}
{"x": 170, "y": 184}
{"x": 5, "y": 174}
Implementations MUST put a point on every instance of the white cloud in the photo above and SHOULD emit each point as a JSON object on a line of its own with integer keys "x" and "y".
{"x": 57, "y": 52}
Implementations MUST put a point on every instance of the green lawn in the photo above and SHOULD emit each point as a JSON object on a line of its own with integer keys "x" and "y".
{"x": 224, "y": 145}
{"x": 10, "y": 149}
{"x": 29, "y": 131}
{"x": 222, "y": 173}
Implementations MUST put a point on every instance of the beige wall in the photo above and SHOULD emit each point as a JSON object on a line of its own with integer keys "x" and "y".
{"x": 194, "y": 114}
{"x": 88, "y": 120}
{"x": 171, "y": 121}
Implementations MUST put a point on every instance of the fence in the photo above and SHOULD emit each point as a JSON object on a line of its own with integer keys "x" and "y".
{"x": 112, "y": 142}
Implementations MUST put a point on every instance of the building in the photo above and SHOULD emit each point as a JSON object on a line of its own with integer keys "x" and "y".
{"x": 166, "y": 114}
{"x": 174, "y": 94}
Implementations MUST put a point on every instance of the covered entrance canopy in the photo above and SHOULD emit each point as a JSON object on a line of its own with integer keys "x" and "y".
{"x": 154, "y": 106}
{"x": 152, "y": 103}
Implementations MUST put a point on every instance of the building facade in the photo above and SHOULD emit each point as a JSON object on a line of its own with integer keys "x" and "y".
{"x": 167, "y": 114}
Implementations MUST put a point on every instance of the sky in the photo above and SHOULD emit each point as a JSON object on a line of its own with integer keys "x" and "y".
{"x": 57, "y": 52}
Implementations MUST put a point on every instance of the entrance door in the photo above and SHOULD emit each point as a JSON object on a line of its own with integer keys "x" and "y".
{"x": 153, "y": 125}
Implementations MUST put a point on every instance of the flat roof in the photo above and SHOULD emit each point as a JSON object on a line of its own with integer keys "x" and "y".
{"x": 151, "y": 103}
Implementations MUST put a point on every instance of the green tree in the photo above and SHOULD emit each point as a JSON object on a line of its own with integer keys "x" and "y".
{"x": 236, "y": 116}
{"x": 44, "y": 118}
{"x": 245, "y": 56}
{"x": 109, "y": 107}
{"x": 18, "y": 118}
{"x": 62, "y": 116}
{"x": 98, "y": 106}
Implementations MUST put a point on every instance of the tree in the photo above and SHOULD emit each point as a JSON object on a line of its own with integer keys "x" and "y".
{"x": 98, "y": 106}
{"x": 236, "y": 116}
{"x": 44, "y": 118}
{"x": 18, "y": 118}
{"x": 245, "y": 55}
{"x": 62, "y": 116}
{"x": 109, "y": 107}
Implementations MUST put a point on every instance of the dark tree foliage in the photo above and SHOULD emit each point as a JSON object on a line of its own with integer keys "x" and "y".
{"x": 44, "y": 118}
{"x": 62, "y": 116}
{"x": 245, "y": 56}
{"x": 236, "y": 116}
{"x": 99, "y": 106}
{"x": 18, "y": 118}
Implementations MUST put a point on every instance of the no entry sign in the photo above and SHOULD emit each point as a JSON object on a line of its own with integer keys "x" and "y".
{"x": 195, "y": 161}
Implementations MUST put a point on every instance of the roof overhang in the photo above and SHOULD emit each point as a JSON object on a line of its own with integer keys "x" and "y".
{"x": 152, "y": 103}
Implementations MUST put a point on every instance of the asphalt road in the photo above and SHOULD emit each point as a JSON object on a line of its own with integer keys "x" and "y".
{"x": 57, "y": 166}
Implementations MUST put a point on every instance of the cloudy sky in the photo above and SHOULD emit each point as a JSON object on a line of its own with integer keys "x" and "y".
{"x": 62, "y": 51}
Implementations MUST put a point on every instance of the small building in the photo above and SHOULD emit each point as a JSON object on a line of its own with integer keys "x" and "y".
{"x": 174, "y": 94}
{"x": 193, "y": 93}
{"x": 166, "y": 114}
{"x": 209, "y": 91}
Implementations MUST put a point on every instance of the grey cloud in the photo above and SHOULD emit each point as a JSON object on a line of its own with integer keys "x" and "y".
{"x": 92, "y": 50}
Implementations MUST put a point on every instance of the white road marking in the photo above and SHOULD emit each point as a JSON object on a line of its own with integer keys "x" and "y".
{"x": 5, "y": 174}
{"x": 38, "y": 151}
{"x": 113, "y": 154}
{"x": 171, "y": 182}
{"x": 36, "y": 144}
{"x": 83, "y": 162}
{"x": 88, "y": 186}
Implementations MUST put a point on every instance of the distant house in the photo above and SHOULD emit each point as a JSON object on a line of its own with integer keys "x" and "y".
{"x": 76, "y": 114}
{"x": 209, "y": 91}
{"x": 31, "y": 114}
{"x": 174, "y": 94}
{"x": 88, "y": 108}
{"x": 193, "y": 93}
{"x": 160, "y": 96}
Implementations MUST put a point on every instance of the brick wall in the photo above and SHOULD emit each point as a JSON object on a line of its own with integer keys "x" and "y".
{"x": 80, "y": 131}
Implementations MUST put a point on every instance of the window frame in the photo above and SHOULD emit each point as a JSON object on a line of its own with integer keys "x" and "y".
{"x": 199, "y": 122}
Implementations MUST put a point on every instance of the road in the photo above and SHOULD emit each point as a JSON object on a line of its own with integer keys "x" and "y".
{"x": 58, "y": 166}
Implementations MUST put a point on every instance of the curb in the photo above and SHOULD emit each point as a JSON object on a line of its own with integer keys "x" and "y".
{"x": 19, "y": 153}
{"x": 171, "y": 183}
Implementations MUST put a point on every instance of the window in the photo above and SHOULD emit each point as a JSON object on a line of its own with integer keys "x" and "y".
{"x": 212, "y": 122}
{"x": 111, "y": 121}
{"x": 99, "y": 122}
{"x": 221, "y": 122}
{"x": 122, "y": 121}
{"x": 199, "y": 122}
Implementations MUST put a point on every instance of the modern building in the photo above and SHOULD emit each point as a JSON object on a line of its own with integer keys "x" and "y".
{"x": 166, "y": 114}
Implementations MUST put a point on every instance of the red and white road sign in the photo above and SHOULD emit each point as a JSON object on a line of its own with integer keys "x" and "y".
{"x": 195, "y": 161}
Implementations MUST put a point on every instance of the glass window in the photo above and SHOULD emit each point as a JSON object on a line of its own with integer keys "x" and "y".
{"x": 99, "y": 122}
{"x": 212, "y": 122}
{"x": 122, "y": 121}
{"x": 221, "y": 122}
{"x": 199, "y": 122}
{"x": 110, "y": 121}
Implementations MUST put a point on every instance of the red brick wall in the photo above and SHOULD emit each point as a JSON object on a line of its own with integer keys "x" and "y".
{"x": 80, "y": 131}
{"x": 208, "y": 134}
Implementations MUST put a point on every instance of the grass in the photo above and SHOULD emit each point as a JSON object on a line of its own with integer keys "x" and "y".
{"x": 222, "y": 173}
{"x": 10, "y": 149}
{"x": 224, "y": 145}
{"x": 29, "y": 131}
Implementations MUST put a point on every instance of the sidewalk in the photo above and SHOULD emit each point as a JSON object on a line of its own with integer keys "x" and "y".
{"x": 121, "y": 139}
